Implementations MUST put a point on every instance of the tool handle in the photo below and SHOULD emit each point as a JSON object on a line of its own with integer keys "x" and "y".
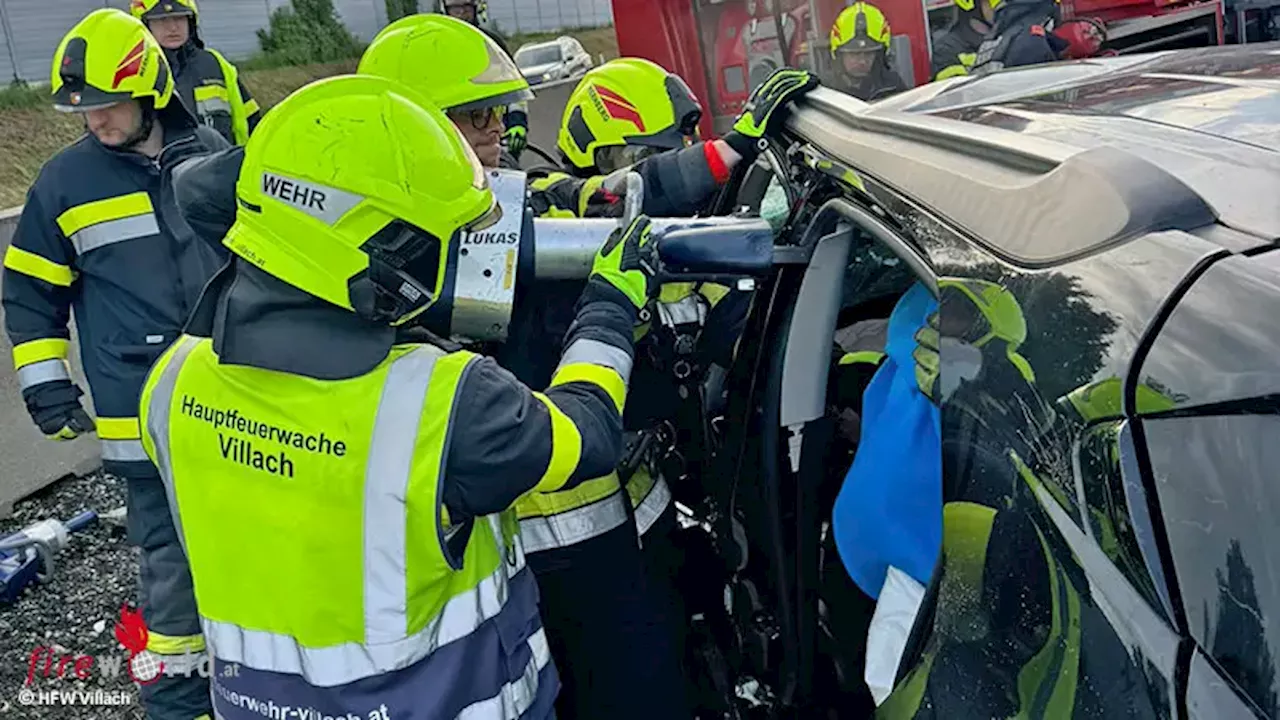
{"x": 81, "y": 521}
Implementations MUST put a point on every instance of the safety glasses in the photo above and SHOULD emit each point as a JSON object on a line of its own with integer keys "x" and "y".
{"x": 479, "y": 119}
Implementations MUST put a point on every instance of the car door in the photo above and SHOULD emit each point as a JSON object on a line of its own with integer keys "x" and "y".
{"x": 1210, "y": 452}
{"x": 1051, "y": 602}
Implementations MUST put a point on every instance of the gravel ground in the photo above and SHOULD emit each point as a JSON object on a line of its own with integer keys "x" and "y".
{"x": 76, "y": 610}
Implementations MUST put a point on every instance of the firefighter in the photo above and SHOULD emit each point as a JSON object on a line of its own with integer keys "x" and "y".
{"x": 99, "y": 236}
{"x": 442, "y": 57}
{"x": 208, "y": 84}
{"x": 515, "y": 118}
{"x": 380, "y": 470}
{"x": 956, "y": 47}
{"x": 860, "y": 40}
{"x": 1022, "y": 35}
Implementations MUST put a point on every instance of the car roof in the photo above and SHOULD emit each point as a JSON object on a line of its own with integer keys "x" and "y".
{"x": 1055, "y": 160}
{"x": 1207, "y": 116}
{"x": 546, "y": 43}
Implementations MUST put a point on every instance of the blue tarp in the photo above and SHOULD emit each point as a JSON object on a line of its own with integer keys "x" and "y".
{"x": 889, "y": 510}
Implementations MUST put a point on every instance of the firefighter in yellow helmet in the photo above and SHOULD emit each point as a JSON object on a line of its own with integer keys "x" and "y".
{"x": 860, "y": 49}
{"x": 208, "y": 84}
{"x": 955, "y": 48}
{"x": 515, "y": 116}
{"x": 380, "y": 466}
{"x": 456, "y": 68}
{"x": 97, "y": 238}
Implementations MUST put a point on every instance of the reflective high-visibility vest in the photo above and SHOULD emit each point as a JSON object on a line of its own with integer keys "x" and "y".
{"x": 327, "y": 574}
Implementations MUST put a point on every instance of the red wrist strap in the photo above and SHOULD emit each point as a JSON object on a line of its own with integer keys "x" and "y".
{"x": 715, "y": 163}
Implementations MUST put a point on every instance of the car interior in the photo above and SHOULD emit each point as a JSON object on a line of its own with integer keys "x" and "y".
{"x": 776, "y": 622}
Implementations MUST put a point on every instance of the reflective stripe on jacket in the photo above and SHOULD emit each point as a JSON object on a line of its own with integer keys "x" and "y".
{"x": 99, "y": 236}
{"x": 368, "y": 601}
{"x": 210, "y": 87}
{"x": 550, "y": 520}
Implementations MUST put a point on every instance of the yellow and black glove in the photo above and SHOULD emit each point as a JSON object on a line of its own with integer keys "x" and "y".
{"x": 620, "y": 262}
{"x": 928, "y": 358}
{"x": 766, "y": 107}
{"x": 517, "y": 135}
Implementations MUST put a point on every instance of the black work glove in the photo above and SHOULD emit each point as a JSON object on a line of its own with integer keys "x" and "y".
{"x": 766, "y": 107}
{"x": 55, "y": 407}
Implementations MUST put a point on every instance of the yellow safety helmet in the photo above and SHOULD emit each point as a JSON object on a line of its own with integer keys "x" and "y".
{"x": 861, "y": 26}
{"x": 990, "y": 313}
{"x": 146, "y": 10}
{"x": 451, "y": 63}
{"x": 107, "y": 58}
{"x": 624, "y": 110}
{"x": 969, "y": 5}
{"x": 352, "y": 190}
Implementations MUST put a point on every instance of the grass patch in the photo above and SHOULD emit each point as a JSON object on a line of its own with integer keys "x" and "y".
{"x": 19, "y": 95}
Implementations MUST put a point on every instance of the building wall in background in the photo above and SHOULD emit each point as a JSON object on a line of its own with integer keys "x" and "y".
{"x": 30, "y": 29}
{"x": 526, "y": 16}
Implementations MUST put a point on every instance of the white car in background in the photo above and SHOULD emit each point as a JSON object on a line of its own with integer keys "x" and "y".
{"x": 553, "y": 60}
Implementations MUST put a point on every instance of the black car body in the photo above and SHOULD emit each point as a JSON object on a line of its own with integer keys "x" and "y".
{"x": 1121, "y": 439}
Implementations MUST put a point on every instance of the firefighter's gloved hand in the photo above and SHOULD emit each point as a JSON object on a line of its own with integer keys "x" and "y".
{"x": 517, "y": 135}
{"x": 766, "y": 107}
{"x": 619, "y": 262}
{"x": 55, "y": 408}
{"x": 928, "y": 359}
{"x": 963, "y": 362}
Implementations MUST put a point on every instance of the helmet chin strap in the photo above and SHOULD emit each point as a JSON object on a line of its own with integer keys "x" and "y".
{"x": 144, "y": 128}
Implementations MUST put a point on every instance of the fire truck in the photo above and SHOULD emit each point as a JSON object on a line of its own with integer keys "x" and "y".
{"x": 723, "y": 48}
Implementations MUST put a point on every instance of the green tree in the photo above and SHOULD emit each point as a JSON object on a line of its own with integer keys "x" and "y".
{"x": 397, "y": 9}
{"x": 308, "y": 31}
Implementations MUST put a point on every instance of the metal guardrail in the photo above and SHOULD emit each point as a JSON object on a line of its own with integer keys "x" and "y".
{"x": 29, "y": 462}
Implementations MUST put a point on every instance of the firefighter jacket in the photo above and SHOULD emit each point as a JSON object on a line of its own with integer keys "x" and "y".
{"x": 1019, "y": 38}
{"x": 881, "y": 82}
{"x": 100, "y": 236}
{"x": 210, "y": 87}
{"x": 387, "y": 483}
{"x": 955, "y": 50}
{"x": 676, "y": 184}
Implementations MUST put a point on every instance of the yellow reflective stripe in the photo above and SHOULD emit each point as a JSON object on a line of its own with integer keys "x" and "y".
{"x": 240, "y": 111}
{"x": 29, "y": 263}
{"x": 34, "y": 351}
{"x": 588, "y": 492}
{"x": 713, "y": 292}
{"x": 124, "y": 428}
{"x": 211, "y": 92}
{"x": 174, "y": 644}
{"x": 251, "y": 107}
{"x": 100, "y": 211}
{"x": 566, "y": 448}
{"x": 869, "y": 357}
{"x": 603, "y": 377}
{"x": 674, "y": 292}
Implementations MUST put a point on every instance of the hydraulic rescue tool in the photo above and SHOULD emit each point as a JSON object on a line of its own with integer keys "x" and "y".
{"x": 27, "y": 556}
{"x": 484, "y": 269}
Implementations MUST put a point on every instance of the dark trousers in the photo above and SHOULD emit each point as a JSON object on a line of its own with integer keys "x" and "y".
{"x": 615, "y": 657}
{"x": 168, "y": 602}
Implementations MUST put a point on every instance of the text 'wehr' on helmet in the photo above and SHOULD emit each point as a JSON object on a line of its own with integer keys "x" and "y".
{"x": 353, "y": 189}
